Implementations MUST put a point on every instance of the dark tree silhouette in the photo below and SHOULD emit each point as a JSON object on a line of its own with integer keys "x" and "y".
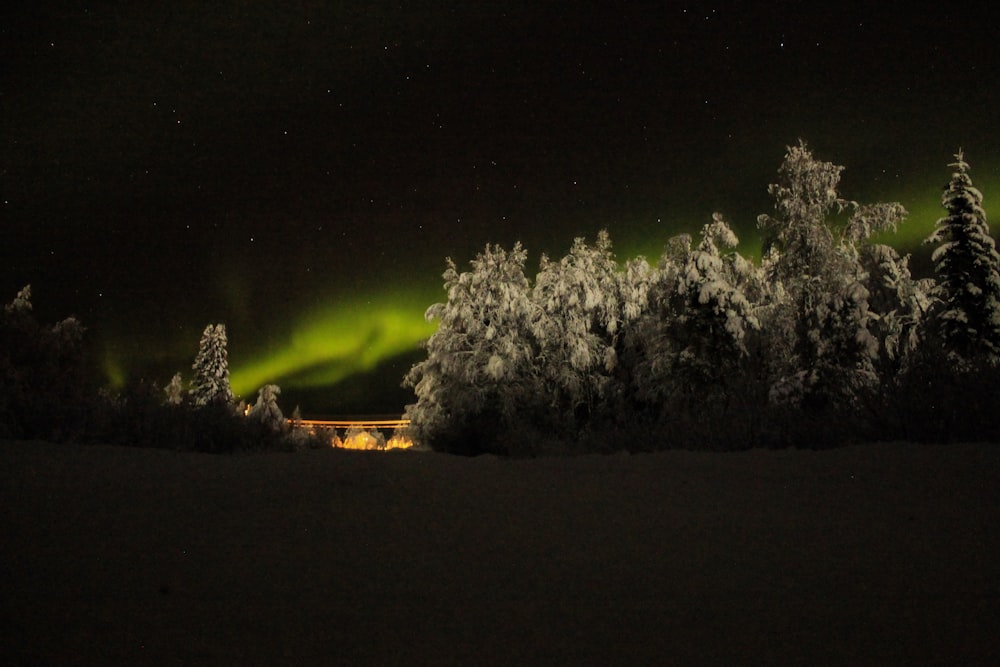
{"x": 46, "y": 382}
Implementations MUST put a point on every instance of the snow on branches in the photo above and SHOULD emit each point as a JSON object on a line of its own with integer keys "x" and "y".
{"x": 829, "y": 321}
{"x": 580, "y": 316}
{"x": 265, "y": 410}
{"x": 833, "y": 347}
{"x": 211, "y": 368}
{"x": 481, "y": 358}
{"x": 692, "y": 336}
{"x": 967, "y": 310}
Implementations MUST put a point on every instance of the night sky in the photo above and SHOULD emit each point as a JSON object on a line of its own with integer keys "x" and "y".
{"x": 300, "y": 170}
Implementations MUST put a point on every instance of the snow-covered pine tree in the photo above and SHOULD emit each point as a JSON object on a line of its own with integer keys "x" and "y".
{"x": 798, "y": 235}
{"x": 210, "y": 383}
{"x": 577, "y": 332}
{"x": 174, "y": 390}
{"x": 697, "y": 332}
{"x": 714, "y": 314}
{"x": 830, "y": 358}
{"x": 479, "y": 373}
{"x": 967, "y": 313}
{"x": 300, "y": 437}
{"x": 265, "y": 410}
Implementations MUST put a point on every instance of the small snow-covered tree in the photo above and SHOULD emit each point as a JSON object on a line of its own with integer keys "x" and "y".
{"x": 479, "y": 375}
{"x": 967, "y": 313}
{"x": 265, "y": 410}
{"x": 299, "y": 437}
{"x": 21, "y": 303}
{"x": 211, "y": 368}
{"x": 174, "y": 390}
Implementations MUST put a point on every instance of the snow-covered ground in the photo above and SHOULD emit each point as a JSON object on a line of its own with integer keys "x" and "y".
{"x": 877, "y": 554}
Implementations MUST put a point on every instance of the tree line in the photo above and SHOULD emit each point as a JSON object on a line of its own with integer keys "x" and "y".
{"x": 50, "y": 389}
{"x": 828, "y": 338}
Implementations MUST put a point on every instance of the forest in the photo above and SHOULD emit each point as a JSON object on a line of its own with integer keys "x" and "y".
{"x": 827, "y": 339}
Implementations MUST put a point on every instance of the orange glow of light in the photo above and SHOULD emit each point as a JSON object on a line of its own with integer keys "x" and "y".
{"x": 365, "y": 441}
{"x": 398, "y": 442}
{"x": 358, "y": 434}
{"x": 360, "y": 440}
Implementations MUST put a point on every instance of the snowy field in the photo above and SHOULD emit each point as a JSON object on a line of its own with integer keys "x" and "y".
{"x": 879, "y": 554}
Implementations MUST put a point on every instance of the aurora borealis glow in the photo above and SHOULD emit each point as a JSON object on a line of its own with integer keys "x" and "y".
{"x": 336, "y": 343}
{"x": 300, "y": 172}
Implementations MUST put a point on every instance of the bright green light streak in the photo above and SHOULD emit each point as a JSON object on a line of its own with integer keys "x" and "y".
{"x": 336, "y": 342}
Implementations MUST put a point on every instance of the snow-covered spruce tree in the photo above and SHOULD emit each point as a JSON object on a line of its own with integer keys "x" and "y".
{"x": 174, "y": 390}
{"x": 577, "y": 331}
{"x": 696, "y": 333}
{"x": 829, "y": 360}
{"x": 265, "y": 410}
{"x": 211, "y": 368}
{"x": 966, "y": 315}
{"x": 478, "y": 380}
{"x": 299, "y": 437}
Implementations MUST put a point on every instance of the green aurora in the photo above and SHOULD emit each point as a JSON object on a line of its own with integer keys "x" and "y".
{"x": 326, "y": 346}
{"x": 337, "y": 342}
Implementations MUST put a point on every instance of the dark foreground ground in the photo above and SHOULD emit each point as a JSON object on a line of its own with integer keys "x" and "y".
{"x": 879, "y": 554}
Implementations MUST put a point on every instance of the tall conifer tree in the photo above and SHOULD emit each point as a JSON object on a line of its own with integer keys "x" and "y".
{"x": 967, "y": 314}
{"x": 211, "y": 368}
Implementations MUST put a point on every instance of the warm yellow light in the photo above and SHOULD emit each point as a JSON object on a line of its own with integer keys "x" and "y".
{"x": 359, "y": 433}
{"x": 363, "y": 440}
{"x": 398, "y": 442}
